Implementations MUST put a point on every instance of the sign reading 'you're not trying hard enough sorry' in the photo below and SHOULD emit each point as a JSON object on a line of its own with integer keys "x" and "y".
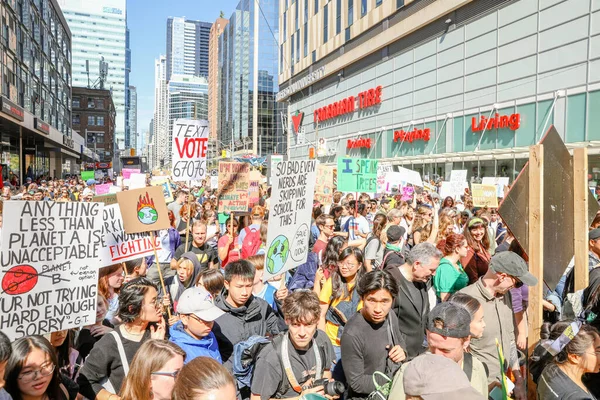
{"x": 357, "y": 175}
{"x": 190, "y": 144}
{"x": 49, "y": 260}
{"x": 289, "y": 219}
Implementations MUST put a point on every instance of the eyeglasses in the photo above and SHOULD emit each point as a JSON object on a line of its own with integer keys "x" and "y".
{"x": 44, "y": 370}
{"x": 329, "y": 226}
{"x": 171, "y": 374}
{"x": 347, "y": 265}
{"x": 518, "y": 283}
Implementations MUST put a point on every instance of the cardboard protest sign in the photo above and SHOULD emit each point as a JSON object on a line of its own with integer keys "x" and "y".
{"x": 143, "y": 210}
{"x": 128, "y": 171}
{"x": 290, "y": 216}
{"x": 107, "y": 200}
{"x": 50, "y": 254}
{"x": 357, "y": 175}
{"x": 458, "y": 175}
{"x": 85, "y": 175}
{"x": 137, "y": 181}
{"x": 382, "y": 170}
{"x": 500, "y": 183}
{"x": 103, "y": 189}
{"x": 407, "y": 193}
{"x": 166, "y": 187}
{"x": 484, "y": 195}
{"x": 234, "y": 182}
{"x": 190, "y": 144}
{"x": 324, "y": 186}
{"x": 253, "y": 193}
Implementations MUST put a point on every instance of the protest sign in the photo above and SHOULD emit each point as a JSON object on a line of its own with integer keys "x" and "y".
{"x": 290, "y": 216}
{"x": 382, "y": 170}
{"x": 103, "y": 189}
{"x": 214, "y": 182}
{"x": 484, "y": 195}
{"x": 49, "y": 255}
{"x": 118, "y": 246}
{"x": 137, "y": 181}
{"x": 234, "y": 182}
{"x": 253, "y": 194}
{"x": 409, "y": 176}
{"x": 458, "y": 175}
{"x": 357, "y": 175}
{"x": 98, "y": 175}
{"x": 500, "y": 182}
{"x": 407, "y": 193}
{"x": 114, "y": 189}
{"x": 190, "y": 144}
{"x": 128, "y": 171}
{"x": 143, "y": 210}
{"x": 120, "y": 182}
{"x": 166, "y": 187}
{"x": 453, "y": 189}
{"x": 324, "y": 186}
{"x": 85, "y": 175}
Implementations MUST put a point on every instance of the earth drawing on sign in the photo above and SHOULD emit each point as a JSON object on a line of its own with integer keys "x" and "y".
{"x": 278, "y": 254}
{"x": 146, "y": 210}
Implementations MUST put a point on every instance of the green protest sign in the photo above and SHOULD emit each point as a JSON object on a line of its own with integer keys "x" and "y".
{"x": 357, "y": 175}
{"x": 85, "y": 175}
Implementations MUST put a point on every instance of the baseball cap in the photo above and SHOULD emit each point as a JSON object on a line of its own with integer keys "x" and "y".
{"x": 90, "y": 182}
{"x": 511, "y": 264}
{"x": 384, "y": 201}
{"x": 450, "y": 320}
{"x": 198, "y": 301}
{"x": 394, "y": 233}
{"x": 594, "y": 234}
{"x": 434, "y": 377}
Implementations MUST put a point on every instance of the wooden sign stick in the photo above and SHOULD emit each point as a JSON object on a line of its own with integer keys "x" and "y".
{"x": 187, "y": 225}
{"x": 162, "y": 282}
{"x": 231, "y": 217}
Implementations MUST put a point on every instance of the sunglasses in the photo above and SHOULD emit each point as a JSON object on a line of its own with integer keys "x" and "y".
{"x": 518, "y": 282}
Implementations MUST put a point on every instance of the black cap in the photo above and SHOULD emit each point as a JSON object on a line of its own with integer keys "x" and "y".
{"x": 594, "y": 234}
{"x": 395, "y": 233}
{"x": 511, "y": 264}
{"x": 450, "y": 320}
{"x": 384, "y": 200}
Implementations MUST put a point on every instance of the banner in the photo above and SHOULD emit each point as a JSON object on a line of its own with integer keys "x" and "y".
{"x": 166, "y": 188}
{"x": 103, "y": 189}
{"x": 190, "y": 144}
{"x": 382, "y": 170}
{"x": 143, "y": 210}
{"x": 357, "y": 175}
{"x": 324, "y": 186}
{"x": 234, "y": 181}
{"x": 290, "y": 216}
{"x": 85, "y": 175}
{"x": 50, "y": 256}
{"x": 128, "y": 171}
{"x": 137, "y": 181}
{"x": 253, "y": 192}
{"x": 484, "y": 195}
{"x": 500, "y": 182}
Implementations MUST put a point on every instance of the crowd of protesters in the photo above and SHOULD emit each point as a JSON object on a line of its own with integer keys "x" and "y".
{"x": 397, "y": 299}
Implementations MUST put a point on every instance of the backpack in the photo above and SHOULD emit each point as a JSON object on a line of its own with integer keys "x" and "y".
{"x": 251, "y": 242}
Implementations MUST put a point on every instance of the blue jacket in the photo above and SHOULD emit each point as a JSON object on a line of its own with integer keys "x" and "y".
{"x": 304, "y": 278}
{"x": 205, "y": 347}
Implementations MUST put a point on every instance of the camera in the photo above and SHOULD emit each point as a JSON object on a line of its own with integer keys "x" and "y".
{"x": 332, "y": 388}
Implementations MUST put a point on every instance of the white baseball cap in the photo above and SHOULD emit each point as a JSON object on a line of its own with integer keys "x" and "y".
{"x": 198, "y": 301}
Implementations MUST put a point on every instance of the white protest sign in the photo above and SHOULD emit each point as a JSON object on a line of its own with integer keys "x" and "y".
{"x": 190, "y": 144}
{"x": 382, "y": 170}
{"x": 290, "y": 216}
{"x": 403, "y": 176}
{"x": 453, "y": 189}
{"x": 500, "y": 182}
{"x": 458, "y": 175}
{"x": 214, "y": 182}
{"x": 137, "y": 181}
{"x": 50, "y": 256}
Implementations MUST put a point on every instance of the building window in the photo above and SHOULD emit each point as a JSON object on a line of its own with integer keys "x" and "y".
{"x": 316, "y": 6}
{"x": 305, "y": 39}
{"x": 363, "y": 8}
{"x": 314, "y": 56}
{"x": 100, "y": 137}
{"x": 399, "y": 3}
{"x": 348, "y": 34}
{"x": 296, "y": 16}
{"x": 284, "y": 25}
{"x": 305, "y": 11}
{"x": 76, "y": 119}
{"x": 325, "y": 22}
{"x": 91, "y": 120}
{"x": 350, "y": 12}
{"x": 100, "y": 104}
{"x": 75, "y": 102}
{"x": 91, "y": 103}
{"x": 378, "y": 3}
{"x": 281, "y": 58}
{"x": 100, "y": 121}
{"x": 338, "y": 17}
{"x": 292, "y": 47}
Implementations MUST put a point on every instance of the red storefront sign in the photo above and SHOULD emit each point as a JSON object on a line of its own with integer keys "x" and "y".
{"x": 366, "y": 99}
{"x": 512, "y": 122}
{"x": 360, "y": 143}
{"x": 417, "y": 134}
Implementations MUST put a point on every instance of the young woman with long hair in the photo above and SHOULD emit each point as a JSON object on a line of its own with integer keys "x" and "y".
{"x": 90, "y": 334}
{"x": 213, "y": 231}
{"x": 153, "y": 372}
{"x": 446, "y": 228}
{"x": 204, "y": 379}
{"x": 477, "y": 260}
{"x": 109, "y": 283}
{"x": 190, "y": 209}
{"x": 374, "y": 247}
{"x": 335, "y": 245}
{"x": 68, "y": 358}
{"x": 425, "y": 225}
{"x": 32, "y": 371}
{"x": 450, "y": 276}
{"x": 228, "y": 248}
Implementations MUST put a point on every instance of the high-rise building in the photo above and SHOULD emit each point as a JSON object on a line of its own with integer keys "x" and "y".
{"x": 159, "y": 131}
{"x": 99, "y": 32}
{"x": 187, "y": 47}
{"x": 133, "y": 138}
{"x": 248, "y": 64}
{"x": 187, "y": 98}
{"x": 128, "y": 130}
{"x": 213, "y": 76}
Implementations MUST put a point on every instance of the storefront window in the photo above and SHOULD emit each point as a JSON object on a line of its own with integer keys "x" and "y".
{"x": 487, "y": 168}
{"x": 519, "y": 165}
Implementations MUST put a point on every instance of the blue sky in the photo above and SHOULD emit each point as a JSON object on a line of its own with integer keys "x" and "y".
{"x": 147, "y": 20}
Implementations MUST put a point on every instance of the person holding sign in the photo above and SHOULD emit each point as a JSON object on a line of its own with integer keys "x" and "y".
{"x": 108, "y": 363}
{"x": 228, "y": 248}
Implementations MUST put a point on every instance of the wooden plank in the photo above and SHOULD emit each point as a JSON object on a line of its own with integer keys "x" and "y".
{"x": 535, "y": 251}
{"x": 580, "y": 195}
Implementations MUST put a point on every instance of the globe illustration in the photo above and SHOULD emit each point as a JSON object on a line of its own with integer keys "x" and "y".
{"x": 278, "y": 254}
{"x": 147, "y": 215}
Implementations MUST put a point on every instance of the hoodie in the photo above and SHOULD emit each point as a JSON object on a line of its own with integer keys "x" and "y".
{"x": 175, "y": 287}
{"x": 205, "y": 347}
{"x": 256, "y": 317}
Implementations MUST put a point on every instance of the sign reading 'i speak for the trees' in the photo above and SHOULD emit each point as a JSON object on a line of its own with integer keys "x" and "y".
{"x": 357, "y": 175}
{"x": 49, "y": 266}
{"x": 190, "y": 144}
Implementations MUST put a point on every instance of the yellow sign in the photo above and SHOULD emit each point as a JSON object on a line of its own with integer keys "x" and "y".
{"x": 484, "y": 196}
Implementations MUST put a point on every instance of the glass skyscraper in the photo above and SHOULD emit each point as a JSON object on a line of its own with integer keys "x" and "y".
{"x": 239, "y": 70}
{"x": 187, "y": 47}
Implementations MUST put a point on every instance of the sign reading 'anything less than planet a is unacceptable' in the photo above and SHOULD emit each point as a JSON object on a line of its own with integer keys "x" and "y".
{"x": 357, "y": 175}
{"x": 190, "y": 144}
{"x": 49, "y": 259}
{"x": 234, "y": 183}
{"x": 118, "y": 246}
{"x": 143, "y": 210}
{"x": 289, "y": 218}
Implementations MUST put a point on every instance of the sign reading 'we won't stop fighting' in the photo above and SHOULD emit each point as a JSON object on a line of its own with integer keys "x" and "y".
{"x": 190, "y": 145}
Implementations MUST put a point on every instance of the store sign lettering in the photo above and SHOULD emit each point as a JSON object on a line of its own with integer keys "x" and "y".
{"x": 360, "y": 143}
{"x": 67, "y": 141}
{"x": 512, "y": 122}
{"x": 41, "y": 126}
{"x": 10, "y": 108}
{"x": 366, "y": 99}
{"x": 297, "y": 121}
{"x": 417, "y": 134}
